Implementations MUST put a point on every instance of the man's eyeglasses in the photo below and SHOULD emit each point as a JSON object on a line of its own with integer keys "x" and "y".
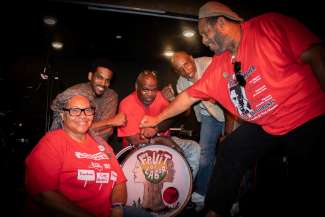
{"x": 239, "y": 77}
{"x": 77, "y": 111}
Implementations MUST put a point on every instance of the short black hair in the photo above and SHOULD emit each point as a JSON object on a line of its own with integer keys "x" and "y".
{"x": 101, "y": 62}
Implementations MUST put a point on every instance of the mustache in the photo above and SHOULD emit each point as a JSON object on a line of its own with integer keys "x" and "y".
{"x": 100, "y": 86}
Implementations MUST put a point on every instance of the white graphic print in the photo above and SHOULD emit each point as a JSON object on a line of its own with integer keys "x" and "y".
{"x": 97, "y": 156}
{"x": 254, "y": 100}
{"x": 113, "y": 176}
{"x": 96, "y": 166}
{"x": 107, "y": 166}
{"x": 239, "y": 99}
{"x": 86, "y": 175}
{"x": 102, "y": 177}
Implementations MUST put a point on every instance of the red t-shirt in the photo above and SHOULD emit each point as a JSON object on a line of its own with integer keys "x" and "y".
{"x": 281, "y": 91}
{"x": 85, "y": 173}
{"x": 134, "y": 110}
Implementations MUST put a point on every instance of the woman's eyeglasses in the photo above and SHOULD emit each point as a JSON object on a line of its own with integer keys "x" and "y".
{"x": 239, "y": 77}
{"x": 77, "y": 111}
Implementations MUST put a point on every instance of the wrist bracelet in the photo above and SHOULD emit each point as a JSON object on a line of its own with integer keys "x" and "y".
{"x": 117, "y": 205}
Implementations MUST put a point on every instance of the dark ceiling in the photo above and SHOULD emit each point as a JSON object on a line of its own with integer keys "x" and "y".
{"x": 89, "y": 29}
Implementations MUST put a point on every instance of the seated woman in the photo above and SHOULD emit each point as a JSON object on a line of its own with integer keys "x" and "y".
{"x": 72, "y": 173}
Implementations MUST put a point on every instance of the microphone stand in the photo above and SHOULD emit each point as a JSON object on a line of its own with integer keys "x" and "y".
{"x": 49, "y": 77}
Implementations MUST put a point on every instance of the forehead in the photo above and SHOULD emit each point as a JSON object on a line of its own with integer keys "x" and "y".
{"x": 203, "y": 25}
{"x": 103, "y": 72}
{"x": 179, "y": 59}
{"x": 78, "y": 101}
{"x": 148, "y": 81}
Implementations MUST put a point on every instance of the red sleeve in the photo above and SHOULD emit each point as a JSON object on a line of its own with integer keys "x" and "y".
{"x": 43, "y": 165}
{"x": 133, "y": 119}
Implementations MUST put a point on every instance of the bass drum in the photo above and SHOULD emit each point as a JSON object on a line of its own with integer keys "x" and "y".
{"x": 159, "y": 179}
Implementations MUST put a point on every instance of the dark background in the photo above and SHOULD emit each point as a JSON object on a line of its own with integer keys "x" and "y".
{"x": 89, "y": 30}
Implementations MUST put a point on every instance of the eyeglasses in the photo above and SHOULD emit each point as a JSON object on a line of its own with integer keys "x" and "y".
{"x": 239, "y": 77}
{"x": 77, "y": 111}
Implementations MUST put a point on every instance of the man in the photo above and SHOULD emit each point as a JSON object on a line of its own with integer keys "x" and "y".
{"x": 280, "y": 65}
{"x": 105, "y": 99}
{"x": 147, "y": 100}
{"x": 210, "y": 115}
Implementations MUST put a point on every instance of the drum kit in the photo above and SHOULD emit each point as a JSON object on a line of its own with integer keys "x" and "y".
{"x": 159, "y": 179}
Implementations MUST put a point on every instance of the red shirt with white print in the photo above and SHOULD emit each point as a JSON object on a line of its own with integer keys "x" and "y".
{"x": 85, "y": 173}
{"x": 134, "y": 110}
{"x": 281, "y": 91}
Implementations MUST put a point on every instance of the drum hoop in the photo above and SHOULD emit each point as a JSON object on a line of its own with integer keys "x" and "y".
{"x": 129, "y": 147}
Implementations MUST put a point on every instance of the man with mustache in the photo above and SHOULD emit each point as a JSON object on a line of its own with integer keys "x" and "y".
{"x": 277, "y": 64}
{"x": 105, "y": 99}
{"x": 148, "y": 100}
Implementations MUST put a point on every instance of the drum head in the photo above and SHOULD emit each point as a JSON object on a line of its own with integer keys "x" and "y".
{"x": 159, "y": 180}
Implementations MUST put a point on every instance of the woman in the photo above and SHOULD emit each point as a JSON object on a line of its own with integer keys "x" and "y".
{"x": 70, "y": 172}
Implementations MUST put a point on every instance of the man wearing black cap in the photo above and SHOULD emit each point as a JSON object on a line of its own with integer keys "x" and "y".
{"x": 279, "y": 66}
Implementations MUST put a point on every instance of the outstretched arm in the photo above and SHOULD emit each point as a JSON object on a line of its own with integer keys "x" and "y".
{"x": 315, "y": 57}
{"x": 181, "y": 103}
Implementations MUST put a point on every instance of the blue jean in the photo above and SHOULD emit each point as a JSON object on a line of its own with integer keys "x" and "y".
{"x": 211, "y": 130}
{"x": 130, "y": 211}
{"x": 191, "y": 150}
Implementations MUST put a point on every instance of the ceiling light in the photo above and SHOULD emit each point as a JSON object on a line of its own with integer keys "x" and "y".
{"x": 57, "y": 45}
{"x": 188, "y": 33}
{"x": 169, "y": 53}
{"x": 50, "y": 21}
{"x": 118, "y": 36}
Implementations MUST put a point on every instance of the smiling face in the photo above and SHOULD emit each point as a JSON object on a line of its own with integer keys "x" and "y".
{"x": 77, "y": 126}
{"x": 100, "y": 79}
{"x": 213, "y": 36}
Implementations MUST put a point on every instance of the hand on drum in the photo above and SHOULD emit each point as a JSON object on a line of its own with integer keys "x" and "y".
{"x": 148, "y": 132}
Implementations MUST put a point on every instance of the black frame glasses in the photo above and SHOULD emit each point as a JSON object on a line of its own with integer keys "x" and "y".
{"x": 77, "y": 111}
{"x": 239, "y": 77}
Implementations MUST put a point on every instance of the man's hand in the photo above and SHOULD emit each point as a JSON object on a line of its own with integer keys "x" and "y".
{"x": 119, "y": 120}
{"x": 149, "y": 121}
{"x": 168, "y": 92}
{"x": 148, "y": 132}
